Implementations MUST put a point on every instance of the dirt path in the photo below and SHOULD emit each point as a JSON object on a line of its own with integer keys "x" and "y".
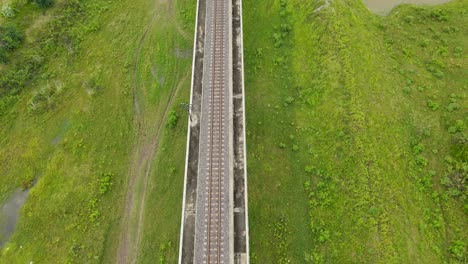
{"x": 154, "y": 146}
{"x": 138, "y": 154}
{"x": 143, "y": 153}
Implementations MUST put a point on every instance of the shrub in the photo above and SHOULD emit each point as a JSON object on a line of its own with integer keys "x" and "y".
{"x": 459, "y": 126}
{"x": 417, "y": 149}
{"x": 286, "y": 28}
{"x": 437, "y": 62}
{"x": 105, "y": 182}
{"x": 442, "y": 51}
{"x": 421, "y": 161}
{"x": 409, "y": 19}
{"x": 3, "y": 56}
{"x": 453, "y": 107}
{"x": 424, "y": 43}
{"x": 44, "y": 3}
{"x": 309, "y": 169}
{"x": 438, "y": 74}
{"x": 458, "y": 249}
{"x": 289, "y": 100}
{"x": 324, "y": 235}
{"x": 10, "y": 37}
{"x": 172, "y": 119}
{"x": 7, "y": 11}
{"x": 93, "y": 211}
{"x": 432, "y": 105}
{"x": 407, "y": 90}
{"x": 439, "y": 15}
{"x": 449, "y": 29}
{"x": 459, "y": 146}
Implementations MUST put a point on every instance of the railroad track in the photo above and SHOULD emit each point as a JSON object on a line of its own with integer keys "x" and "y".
{"x": 215, "y": 177}
{"x": 214, "y": 247}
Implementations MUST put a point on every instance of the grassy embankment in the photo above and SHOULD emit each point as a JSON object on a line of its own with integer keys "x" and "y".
{"x": 68, "y": 120}
{"x": 356, "y": 132}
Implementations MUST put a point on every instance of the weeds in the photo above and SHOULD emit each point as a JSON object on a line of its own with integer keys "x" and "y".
{"x": 439, "y": 15}
{"x": 458, "y": 250}
{"x": 7, "y": 11}
{"x": 172, "y": 119}
{"x": 347, "y": 79}
{"x": 281, "y": 230}
{"x": 459, "y": 126}
{"x": 45, "y": 99}
{"x": 105, "y": 182}
{"x": 432, "y": 105}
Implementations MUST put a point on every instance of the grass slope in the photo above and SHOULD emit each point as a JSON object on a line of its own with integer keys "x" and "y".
{"x": 366, "y": 115}
{"x": 79, "y": 141}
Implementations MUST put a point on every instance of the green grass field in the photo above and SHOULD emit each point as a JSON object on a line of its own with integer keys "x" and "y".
{"x": 79, "y": 143}
{"x": 355, "y": 131}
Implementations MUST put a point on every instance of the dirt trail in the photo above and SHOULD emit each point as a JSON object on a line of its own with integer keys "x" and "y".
{"x": 154, "y": 146}
{"x": 144, "y": 151}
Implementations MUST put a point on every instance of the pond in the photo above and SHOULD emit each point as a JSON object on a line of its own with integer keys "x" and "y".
{"x": 9, "y": 213}
{"x": 383, "y": 7}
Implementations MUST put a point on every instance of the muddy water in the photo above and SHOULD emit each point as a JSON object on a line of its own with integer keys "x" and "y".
{"x": 9, "y": 213}
{"x": 383, "y": 7}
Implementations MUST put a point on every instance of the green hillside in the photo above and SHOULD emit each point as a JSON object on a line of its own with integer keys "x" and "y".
{"x": 356, "y": 132}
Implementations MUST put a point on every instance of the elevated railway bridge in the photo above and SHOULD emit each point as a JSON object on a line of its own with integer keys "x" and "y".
{"x": 214, "y": 218}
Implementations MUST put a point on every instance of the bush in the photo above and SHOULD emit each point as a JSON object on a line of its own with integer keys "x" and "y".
{"x": 439, "y": 15}
{"x": 418, "y": 148}
{"x": 309, "y": 169}
{"x": 10, "y": 37}
{"x": 421, "y": 161}
{"x": 7, "y": 11}
{"x": 458, "y": 249}
{"x": 44, "y": 3}
{"x": 172, "y": 119}
{"x": 459, "y": 126}
{"x": 105, "y": 182}
{"x": 453, "y": 107}
{"x": 289, "y": 100}
{"x": 432, "y": 105}
{"x": 408, "y": 19}
{"x": 3, "y": 56}
{"x": 424, "y": 43}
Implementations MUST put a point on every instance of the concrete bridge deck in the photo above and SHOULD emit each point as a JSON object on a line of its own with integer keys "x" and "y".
{"x": 214, "y": 219}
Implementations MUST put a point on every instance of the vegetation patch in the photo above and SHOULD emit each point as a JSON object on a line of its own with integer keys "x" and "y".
{"x": 374, "y": 111}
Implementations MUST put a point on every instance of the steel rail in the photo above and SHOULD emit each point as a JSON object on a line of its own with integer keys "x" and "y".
{"x": 215, "y": 59}
{"x": 220, "y": 142}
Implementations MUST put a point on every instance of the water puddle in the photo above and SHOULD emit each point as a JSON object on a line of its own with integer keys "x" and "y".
{"x": 383, "y": 7}
{"x": 9, "y": 213}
